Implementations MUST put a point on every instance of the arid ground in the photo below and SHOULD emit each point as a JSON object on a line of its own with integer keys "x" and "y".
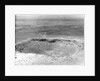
{"x": 49, "y": 41}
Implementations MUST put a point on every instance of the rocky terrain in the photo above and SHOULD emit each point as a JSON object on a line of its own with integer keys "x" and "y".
{"x": 49, "y": 41}
{"x": 52, "y": 51}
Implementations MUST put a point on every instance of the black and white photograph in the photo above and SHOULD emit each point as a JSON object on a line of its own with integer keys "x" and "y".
{"x": 49, "y": 39}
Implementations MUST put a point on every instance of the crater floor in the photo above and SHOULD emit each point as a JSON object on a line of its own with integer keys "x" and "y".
{"x": 50, "y": 52}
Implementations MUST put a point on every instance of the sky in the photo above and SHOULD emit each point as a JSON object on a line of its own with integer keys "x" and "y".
{"x": 48, "y": 16}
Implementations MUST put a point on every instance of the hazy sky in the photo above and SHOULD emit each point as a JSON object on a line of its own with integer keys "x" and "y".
{"x": 23, "y": 16}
